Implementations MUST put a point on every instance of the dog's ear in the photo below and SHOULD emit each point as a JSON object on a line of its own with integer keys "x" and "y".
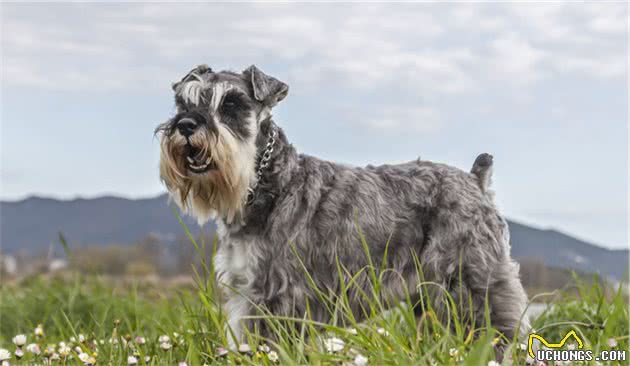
{"x": 267, "y": 90}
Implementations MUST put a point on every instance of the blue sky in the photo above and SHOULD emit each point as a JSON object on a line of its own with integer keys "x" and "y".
{"x": 543, "y": 87}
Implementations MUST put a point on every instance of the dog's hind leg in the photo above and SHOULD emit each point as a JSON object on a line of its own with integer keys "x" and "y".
{"x": 468, "y": 255}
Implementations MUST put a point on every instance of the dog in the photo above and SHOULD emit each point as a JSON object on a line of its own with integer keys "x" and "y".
{"x": 288, "y": 222}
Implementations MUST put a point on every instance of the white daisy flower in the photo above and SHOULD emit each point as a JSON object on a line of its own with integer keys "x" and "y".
{"x": 72, "y": 339}
{"x": 273, "y": 356}
{"x": 352, "y": 331}
{"x": 453, "y": 352}
{"x": 78, "y": 349}
{"x": 221, "y": 352}
{"x": 333, "y": 344}
{"x": 612, "y": 342}
{"x": 382, "y": 331}
{"x": 244, "y": 348}
{"x": 64, "y": 350}
{"x": 5, "y": 363}
{"x": 264, "y": 348}
{"x": 166, "y": 346}
{"x": 81, "y": 338}
{"x": 84, "y": 357}
{"x": 55, "y": 357}
{"x": 493, "y": 363}
{"x": 131, "y": 360}
{"x": 19, "y": 340}
{"x": 360, "y": 360}
{"x": 4, "y": 354}
{"x": 183, "y": 363}
{"x": 19, "y": 353}
{"x": 140, "y": 340}
{"x": 39, "y": 330}
{"x": 34, "y": 348}
{"x": 50, "y": 349}
{"x": 147, "y": 359}
{"x": 164, "y": 338}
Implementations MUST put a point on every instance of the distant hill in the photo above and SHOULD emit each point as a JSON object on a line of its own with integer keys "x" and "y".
{"x": 556, "y": 249}
{"x": 33, "y": 223}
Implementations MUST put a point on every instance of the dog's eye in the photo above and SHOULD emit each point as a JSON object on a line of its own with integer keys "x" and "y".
{"x": 231, "y": 102}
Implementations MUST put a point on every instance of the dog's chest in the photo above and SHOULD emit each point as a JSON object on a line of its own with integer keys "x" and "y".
{"x": 236, "y": 260}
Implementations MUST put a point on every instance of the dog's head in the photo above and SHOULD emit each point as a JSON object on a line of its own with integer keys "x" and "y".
{"x": 208, "y": 149}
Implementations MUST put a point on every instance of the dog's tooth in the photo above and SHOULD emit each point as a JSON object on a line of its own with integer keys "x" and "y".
{"x": 199, "y": 167}
{"x": 190, "y": 160}
{"x": 208, "y": 160}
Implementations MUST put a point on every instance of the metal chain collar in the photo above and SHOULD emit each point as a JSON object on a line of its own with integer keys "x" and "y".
{"x": 263, "y": 163}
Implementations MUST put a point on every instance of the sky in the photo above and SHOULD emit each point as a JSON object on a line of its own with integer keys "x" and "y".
{"x": 541, "y": 86}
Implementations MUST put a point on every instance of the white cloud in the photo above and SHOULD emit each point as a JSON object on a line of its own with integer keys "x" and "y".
{"x": 514, "y": 60}
{"x": 431, "y": 50}
{"x": 407, "y": 119}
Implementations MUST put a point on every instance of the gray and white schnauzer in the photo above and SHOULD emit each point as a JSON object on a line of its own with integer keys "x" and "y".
{"x": 282, "y": 215}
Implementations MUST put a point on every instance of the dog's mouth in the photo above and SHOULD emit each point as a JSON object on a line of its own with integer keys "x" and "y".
{"x": 197, "y": 162}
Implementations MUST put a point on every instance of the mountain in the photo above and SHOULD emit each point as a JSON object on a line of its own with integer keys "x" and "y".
{"x": 33, "y": 223}
{"x": 556, "y": 249}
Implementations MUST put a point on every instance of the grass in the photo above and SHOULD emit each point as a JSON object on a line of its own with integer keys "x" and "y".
{"x": 102, "y": 320}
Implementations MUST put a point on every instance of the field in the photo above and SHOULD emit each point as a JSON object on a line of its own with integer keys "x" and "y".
{"x": 75, "y": 319}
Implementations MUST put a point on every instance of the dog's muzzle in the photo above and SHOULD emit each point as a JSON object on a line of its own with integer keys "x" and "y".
{"x": 198, "y": 160}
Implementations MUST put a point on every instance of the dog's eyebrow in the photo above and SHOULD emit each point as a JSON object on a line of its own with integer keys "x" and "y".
{"x": 192, "y": 91}
{"x": 235, "y": 92}
{"x": 219, "y": 91}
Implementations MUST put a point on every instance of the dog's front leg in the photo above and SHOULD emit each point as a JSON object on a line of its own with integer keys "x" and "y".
{"x": 237, "y": 308}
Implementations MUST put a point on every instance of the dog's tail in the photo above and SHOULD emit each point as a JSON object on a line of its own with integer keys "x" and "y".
{"x": 482, "y": 169}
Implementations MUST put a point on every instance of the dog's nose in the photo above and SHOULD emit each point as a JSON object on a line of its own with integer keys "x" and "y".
{"x": 186, "y": 126}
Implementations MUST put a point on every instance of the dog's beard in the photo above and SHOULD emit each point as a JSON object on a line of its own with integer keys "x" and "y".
{"x": 221, "y": 191}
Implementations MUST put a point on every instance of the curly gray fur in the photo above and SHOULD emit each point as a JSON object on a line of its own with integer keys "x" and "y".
{"x": 305, "y": 213}
{"x": 431, "y": 211}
